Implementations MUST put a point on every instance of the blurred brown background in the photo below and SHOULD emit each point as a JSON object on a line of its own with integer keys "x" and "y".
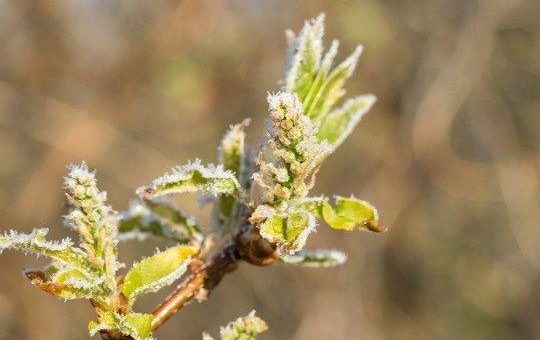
{"x": 449, "y": 154}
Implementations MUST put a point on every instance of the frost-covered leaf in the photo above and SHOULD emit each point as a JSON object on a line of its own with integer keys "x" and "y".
{"x": 37, "y": 244}
{"x": 193, "y": 177}
{"x": 304, "y": 56}
{"x": 289, "y": 231}
{"x": 243, "y": 328}
{"x": 348, "y": 214}
{"x": 338, "y": 124}
{"x": 331, "y": 90}
{"x": 315, "y": 258}
{"x": 231, "y": 154}
{"x": 157, "y": 271}
{"x": 136, "y": 325}
{"x": 158, "y": 217}
{"x": 309, "y": 74}
{"x": 67, "y": 284}
{"x": 141, "y": 323}
{"x": 137, "y": 222}
{"x": 231, "y": 150}
{"x": 167, "y": 210}
{"x": 69, "y": 277}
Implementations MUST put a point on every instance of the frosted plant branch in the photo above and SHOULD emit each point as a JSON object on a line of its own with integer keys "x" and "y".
{"x": 262, "y": 212}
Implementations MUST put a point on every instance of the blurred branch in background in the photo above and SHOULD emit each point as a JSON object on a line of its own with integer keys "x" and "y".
{"x": 451, "y": 157}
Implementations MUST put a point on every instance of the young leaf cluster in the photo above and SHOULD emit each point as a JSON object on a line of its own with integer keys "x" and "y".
{"x": 89, "y": 270}
{"x": 303, "y": 129}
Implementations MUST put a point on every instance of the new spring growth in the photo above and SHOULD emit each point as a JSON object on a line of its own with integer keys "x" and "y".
{"x": 93, "y": 219}
{"x": 243, "y": 328}
{"x": 303, "y": 129}
{"x": 288, "y": 164}
{"x": 89, "y": 270}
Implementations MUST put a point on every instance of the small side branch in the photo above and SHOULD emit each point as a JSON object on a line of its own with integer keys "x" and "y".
{"x": 247, "y": 246}
{"x": 206, "y": 277}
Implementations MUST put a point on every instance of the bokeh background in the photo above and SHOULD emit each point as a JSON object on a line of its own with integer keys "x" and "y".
{"x": 449, "y": 154}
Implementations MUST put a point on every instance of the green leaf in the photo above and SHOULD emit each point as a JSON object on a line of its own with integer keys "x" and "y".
{"x": 339, "y": 123}
{"x": 36, "y": 243}
{"x": 167, "y": 210}
{"x": 157, "y": 271}
{"x": 68, "y": 285}
{"x": 310, "y": 77}
{"x": 232, "y": 155}
{"x": 304, "y": 56}
{"x": 315, "y": 258}
{"x": 159, "y": 217}
{"x": 193, "y": 177}
{"x": 319, "y": 81}
{"x": 289, "y": 232}
{"x": 231, "y": 150}
{"x": 348, "y": 214}
{"x": 332, "y": 88}
{"x": 141, "y": 323}
{"x": 136, "y": 325}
